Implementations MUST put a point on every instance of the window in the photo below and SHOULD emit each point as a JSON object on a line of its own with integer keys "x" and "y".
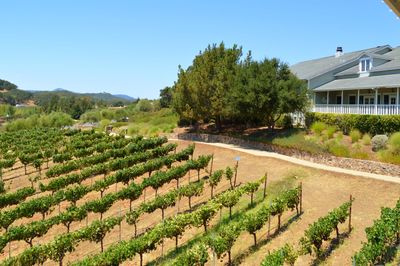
{"x": 361, "y": 100}
{"x": 392, "y": 100}
{"x": 385, "y": 99}
{"x": 338, "y": 99}
{"x": 352, "y": 99}
{"x": 365, "y": 64}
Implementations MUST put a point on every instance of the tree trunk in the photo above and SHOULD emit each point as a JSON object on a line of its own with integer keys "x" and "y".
{"x": 25, "y": 168}
{"x": 177, "y": 183}
{"x": 255, "y": 239}
{"x": 43, "y": 215}
{"x": 190, "y": 203}
{"x": 135, "y": 229}
{"x": 251, "y": 199}
{"x": 198, "y": 175}
{"x": 230, "y": 212}
{"x": 297, "y": 209}
{"x": 61, "y": 260}
{"x": 218, "y": 123}
{"x": 162, "y": 214}
{"x": 205, "y": 226}
{"x": 176, "y": 242}
{"x": 101, "y": 245}
{"x": 337, "y": 231}
{"x": 229, "y": 258}
{"x": 141, "y": 259}
{"x": 130, "y": 205}
{"x": 68, "y": 227}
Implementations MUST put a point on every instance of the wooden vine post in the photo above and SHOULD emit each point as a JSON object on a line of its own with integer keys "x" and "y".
{"x": 351, "y": 203}
{"x": 265, "y": 185}
{"x": 120, "y": 223}
{"x": 301, "y": 197}
{"x": 212, "y": 163}
{"x": 269, "y": 220}
{"x": 236, "y": 170}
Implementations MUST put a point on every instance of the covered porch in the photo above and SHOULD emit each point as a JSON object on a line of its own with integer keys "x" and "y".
{"x": 374, "y": 101}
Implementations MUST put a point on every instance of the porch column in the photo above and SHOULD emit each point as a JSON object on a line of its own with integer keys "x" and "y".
{"x": 327, "y": 101}
{"x": 397, "y": 101}
{"x": 341, "y": 103}
{"x": 358, "y": 101}
{"x": 315, "y": 100}
{"x": 376, "y": 101}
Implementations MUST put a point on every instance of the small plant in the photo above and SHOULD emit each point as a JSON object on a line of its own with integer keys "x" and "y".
{"x": 339, "y": 136}
{"x": 358, "y": 153}
{"x": 355, "y": 135}
{"x": 388, "y": 157}
{"x": 366, "y": 140}
{"x": 318, "y": 127}
{"x": 330, "y": 131}
{"x": 379, "y": 142}
{"x": 394, "y": 142}
{"x": 338, "y": 149}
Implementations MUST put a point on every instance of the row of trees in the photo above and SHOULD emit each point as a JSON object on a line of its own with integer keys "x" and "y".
{"x": 220, "y": 86}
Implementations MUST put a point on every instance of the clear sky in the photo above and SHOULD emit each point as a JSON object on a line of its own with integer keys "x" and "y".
{"x": 135, "y": 46}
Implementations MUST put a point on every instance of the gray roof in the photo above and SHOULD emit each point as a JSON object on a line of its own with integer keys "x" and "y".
{"x": 313, "y": 68}
{"x": 382, "y": 81}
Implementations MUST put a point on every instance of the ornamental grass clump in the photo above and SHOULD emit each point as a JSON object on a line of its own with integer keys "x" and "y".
{"x": 394, "y": 143}
{"x": 366, "y": 139}
{"x": 355, "y": 135}
{"x": 318, "y": 127}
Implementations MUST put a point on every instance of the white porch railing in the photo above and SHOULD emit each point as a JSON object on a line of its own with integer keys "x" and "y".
{"x": 365, "y": 109}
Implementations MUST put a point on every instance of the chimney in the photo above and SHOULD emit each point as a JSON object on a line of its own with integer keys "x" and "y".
{"x": 339, "y": 51}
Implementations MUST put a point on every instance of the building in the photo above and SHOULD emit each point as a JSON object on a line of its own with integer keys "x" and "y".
{"x": 361, "y": 82}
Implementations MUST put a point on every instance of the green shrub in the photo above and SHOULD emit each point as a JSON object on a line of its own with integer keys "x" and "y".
{"x": 372, "y": 124}
{"x": 318, "y": 127}
{"x": 285, "y": 122}
{"x": 366, "y": 139}
{"x": 378, "y": 142}
{"x": 355, "y": 135}
{"x": 394, "y": 142}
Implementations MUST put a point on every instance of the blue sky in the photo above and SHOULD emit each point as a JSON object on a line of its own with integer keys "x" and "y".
{"x": 134, "y": 47}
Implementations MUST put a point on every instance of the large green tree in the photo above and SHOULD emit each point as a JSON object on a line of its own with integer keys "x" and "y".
{"x": 166, "y": 97}
{"x": 201, "y": 91}
{"x": 265, "y": 90}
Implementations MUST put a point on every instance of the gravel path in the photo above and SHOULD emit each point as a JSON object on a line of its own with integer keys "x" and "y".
{"x": 303, "y": 162}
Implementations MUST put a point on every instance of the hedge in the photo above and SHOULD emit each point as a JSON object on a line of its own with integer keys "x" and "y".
{"x": 372, "y": 124}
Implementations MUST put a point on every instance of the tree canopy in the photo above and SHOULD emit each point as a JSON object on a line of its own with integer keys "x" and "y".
{"x": 221, "y": 87}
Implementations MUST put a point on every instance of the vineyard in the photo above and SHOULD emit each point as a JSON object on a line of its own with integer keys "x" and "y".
{"x": 85, "y": 198}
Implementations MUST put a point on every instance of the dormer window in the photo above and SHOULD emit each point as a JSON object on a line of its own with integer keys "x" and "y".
{"x": 365, "y": 64}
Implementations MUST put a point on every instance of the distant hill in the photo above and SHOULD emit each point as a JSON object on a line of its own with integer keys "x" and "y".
{"x": 102, "y": 96}
{"x": 126, "y": 97}
{"x": 9, "y": 93}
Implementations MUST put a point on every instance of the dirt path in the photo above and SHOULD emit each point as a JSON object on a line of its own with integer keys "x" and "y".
{"x": 303, "y": 162}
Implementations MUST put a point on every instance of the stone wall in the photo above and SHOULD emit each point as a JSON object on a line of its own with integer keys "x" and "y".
{"x": 327, "y": 159}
